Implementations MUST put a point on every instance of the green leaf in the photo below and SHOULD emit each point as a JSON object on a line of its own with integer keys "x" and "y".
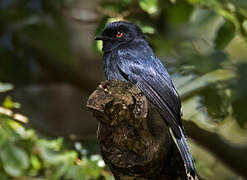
{"x": 87, "y": 168}
{"x": 194, "y": 110}
{"x": 150, "y": 6}
{"x": 224, "y": 35}
{"x": 239, "y": 96}
{"x": 5, "y": 87}
{"x": 127, "y": 1}
{"x": 216, "y": 101}
{"x": 57, "y": 162}
{"x": 147, "y": 29}
{"x": 36, "y": 164}
{"x": 75, "y": 172}
{"x": 241, "y": 3}
{"x": 180, "y": 12}
{"x": 15, "y": 160}
{"x": 244, "y": 25}
{"x": 92, "y": 169}
{"x": 3, "y": 134}
{"x": 60, "y": 169}
{"x": 3, "y": 176}
{"x": 201, "y": 82}
{"x": 99, "y": 45}
{"x": 55, "y": 144}
{"x": 9, "y": 104}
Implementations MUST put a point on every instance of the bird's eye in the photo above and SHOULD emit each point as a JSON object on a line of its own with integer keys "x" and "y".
{"x": 119, "y": 34}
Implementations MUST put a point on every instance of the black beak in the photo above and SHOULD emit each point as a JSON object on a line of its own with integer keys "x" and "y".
{"x": 99, "y": 38}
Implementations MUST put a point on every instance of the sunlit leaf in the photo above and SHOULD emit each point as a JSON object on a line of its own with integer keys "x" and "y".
{"x": 54, "y": 145}
{"x": 201, "y": 82}
{"x": 148, "y": 29}
{"x": 194, "y": 110}
{"x": 150, "y": 6}
{"x": 99, "y": 46}
{"x": 8, "y": 103}
{"x": 244, "y": 24}
{"x": 180, "y": 81}
{"x": 15, "y": 159}
{"x": 35, "y": 162}
{"x": 5, "y": 87}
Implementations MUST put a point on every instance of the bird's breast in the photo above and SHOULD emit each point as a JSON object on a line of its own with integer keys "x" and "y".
{"x": 111, "y": 63}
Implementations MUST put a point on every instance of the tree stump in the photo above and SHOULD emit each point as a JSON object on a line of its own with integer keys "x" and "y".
{"x": 133, "y": 139}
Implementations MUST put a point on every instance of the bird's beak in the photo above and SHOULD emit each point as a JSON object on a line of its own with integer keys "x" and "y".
{"x": 99, "y": 38}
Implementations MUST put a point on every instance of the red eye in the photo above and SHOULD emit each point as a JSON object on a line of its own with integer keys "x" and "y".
{"x": 119, "y": 34}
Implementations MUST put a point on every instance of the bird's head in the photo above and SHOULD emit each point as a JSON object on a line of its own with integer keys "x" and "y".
{"x": 118, "y": 33}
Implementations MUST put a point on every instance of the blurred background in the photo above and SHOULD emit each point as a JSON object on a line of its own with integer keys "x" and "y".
{"x": 50, "y": 64}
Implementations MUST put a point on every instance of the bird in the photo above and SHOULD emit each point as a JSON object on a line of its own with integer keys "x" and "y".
{"x": 127, "y": 56}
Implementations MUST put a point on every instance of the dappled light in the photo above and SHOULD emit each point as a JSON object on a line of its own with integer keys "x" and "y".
{"x": 50, "y": 64}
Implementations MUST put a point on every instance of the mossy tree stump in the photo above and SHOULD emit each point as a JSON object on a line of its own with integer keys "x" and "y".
{"x": 133, "y": 139}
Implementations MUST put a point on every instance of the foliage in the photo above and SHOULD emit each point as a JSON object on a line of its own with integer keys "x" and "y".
{"x": 195, "y": 39}
{"x": 26, "y": 27}
{"x": 5, "y": 87}
{"x": 202, "y": 43}
{"x": 26, "y": 155}
{"x": 179, "y": 32}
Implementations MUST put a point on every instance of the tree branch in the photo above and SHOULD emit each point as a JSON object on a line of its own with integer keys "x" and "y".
{"x": 133, "y": 146}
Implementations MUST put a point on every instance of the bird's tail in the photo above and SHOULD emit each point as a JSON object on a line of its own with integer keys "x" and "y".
{"x": 186, "y": 156}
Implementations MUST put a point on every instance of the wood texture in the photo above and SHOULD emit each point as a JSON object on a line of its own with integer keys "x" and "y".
{"x": 133, "y": 139}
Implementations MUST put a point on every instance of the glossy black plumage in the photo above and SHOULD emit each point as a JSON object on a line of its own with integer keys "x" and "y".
{"x": 130, "y": 58}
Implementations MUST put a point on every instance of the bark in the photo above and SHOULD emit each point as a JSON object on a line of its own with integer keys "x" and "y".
{"x": 133, "y": 146}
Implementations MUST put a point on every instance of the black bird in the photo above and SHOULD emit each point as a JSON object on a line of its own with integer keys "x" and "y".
{"x": 128, "y": 57}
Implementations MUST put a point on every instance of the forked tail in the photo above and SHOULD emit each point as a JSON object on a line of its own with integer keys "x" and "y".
{"x": 186, "y": 156}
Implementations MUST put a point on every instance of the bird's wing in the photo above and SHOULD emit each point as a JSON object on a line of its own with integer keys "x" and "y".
{"x": 156, "y": 85}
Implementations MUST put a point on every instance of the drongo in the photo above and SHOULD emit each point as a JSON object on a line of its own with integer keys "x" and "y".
{"x": 128, "y": 57}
